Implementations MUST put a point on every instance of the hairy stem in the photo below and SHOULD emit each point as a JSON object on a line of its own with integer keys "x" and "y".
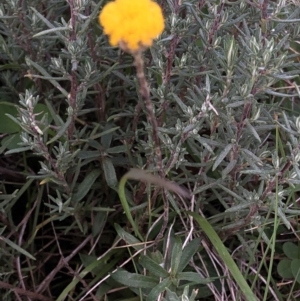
{"x": 145, "y": 93}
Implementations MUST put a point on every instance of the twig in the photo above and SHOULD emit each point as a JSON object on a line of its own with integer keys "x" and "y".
{"x": 62, "y": 262}
{"x": 21, "y": 291}
{"x": 150, "y": 244}
{"x": 76, "y": 275}
{"x": 20, "y": 239}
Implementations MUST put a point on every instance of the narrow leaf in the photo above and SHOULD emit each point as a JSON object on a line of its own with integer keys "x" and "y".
{"x": 61, "y": 131}
{"x": 252, "y": 130}
{"x": 97, "y": 263}
{"x": 254, "y": 158}
{"x": 16, "y": 247}
{"x": 45, "y": 73}
{"x": 171, "y": 296}
{"x": 85, "y": 186}
{"x": 228, "y": 168}
{"x": 158, "y": 289}
{"x": 99, "y": 222}
{"x": 109, "y": 173}
{"x": 222, "y": 156}
{"x": 153, "y": 267}
{"x": 84, "y": 27}
{"x": 134, "y": 280}
{"x": 49, "y": 24}
{"x": 41, "y": 33}
{"x": 128, "y": 238}
{"x": 176, "y": 255}
{"x": 179, "y": 102}
{"x": 232, "y": 193}
{"x": 208, "y": 186}
{"x": 188, "y": 252}
{"x": 225, "y": 256}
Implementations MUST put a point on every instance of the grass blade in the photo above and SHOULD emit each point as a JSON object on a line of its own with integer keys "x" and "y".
{"x": 225, "y": 256}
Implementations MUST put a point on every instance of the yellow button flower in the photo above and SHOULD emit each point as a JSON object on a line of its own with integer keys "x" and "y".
{"x": 132, "y": 24}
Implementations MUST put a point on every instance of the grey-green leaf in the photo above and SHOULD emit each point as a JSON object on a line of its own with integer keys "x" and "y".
{"x": 222, "y": 156}
{"x": 129, "y": 239}
{"x": 109, "y": 173}
{"x": 171, "y": 296}
{"x": 134, "y": 280}
{"x": 158, "y": 289}
{"x": 16, "y": 247}
{"x": 99, "y": 223}
{"x": 188, "y": 252}
{"x": 85, "y": 186}
{"x": 194, "y": 277}
{"x": 61, "y": 131}
{"x": 153, "y": 267}
{"x": 176, "y": 255}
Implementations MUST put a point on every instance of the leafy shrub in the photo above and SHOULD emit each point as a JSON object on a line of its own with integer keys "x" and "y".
{"x": 223, "y": 80}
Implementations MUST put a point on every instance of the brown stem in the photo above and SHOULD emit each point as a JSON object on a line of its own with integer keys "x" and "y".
{"x": 20, "y": 291}
{"x": 145, "y": 93}
{"x": 264, "y": 9}
{"x": 99, "y": 97}
{"x": 62, "y": 263}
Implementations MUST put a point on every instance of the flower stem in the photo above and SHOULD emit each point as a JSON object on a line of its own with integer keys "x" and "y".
{"x": 145, "y": 93}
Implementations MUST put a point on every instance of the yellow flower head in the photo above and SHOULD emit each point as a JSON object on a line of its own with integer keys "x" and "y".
{"x": 132, "y": 23}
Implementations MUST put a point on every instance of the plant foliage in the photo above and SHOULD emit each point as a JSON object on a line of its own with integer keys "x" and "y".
{"x": 223, "y": 80}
